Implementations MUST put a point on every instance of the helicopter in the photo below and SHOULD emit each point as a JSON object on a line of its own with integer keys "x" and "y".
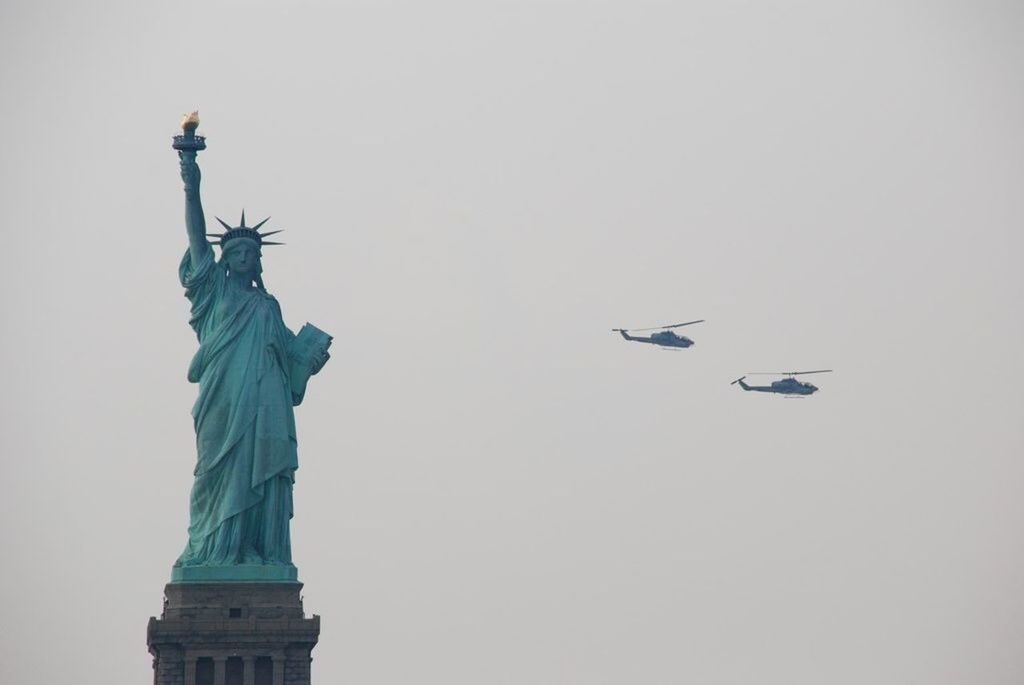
{"x": 787, "y": 386}
{"x": 665, "y": 337}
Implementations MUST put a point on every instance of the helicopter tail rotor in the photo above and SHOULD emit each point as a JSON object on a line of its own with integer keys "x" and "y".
{"x": 742, "y": 384}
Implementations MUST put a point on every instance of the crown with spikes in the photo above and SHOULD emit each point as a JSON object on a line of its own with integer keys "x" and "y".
{"x": 243, "y": 231}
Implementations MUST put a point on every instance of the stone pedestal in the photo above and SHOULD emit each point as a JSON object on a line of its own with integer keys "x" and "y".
{"x": 232, "y": 634}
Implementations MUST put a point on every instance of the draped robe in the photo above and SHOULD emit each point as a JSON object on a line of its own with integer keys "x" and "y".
{"x": 241, "y": 501}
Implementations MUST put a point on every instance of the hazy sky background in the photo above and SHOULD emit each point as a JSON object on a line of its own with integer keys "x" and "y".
{"x": 494, "y": 488}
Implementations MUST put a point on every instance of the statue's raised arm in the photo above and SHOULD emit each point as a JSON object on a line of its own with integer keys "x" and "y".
{"x": 195, "y": 221}
{"x": 188, "y": 145}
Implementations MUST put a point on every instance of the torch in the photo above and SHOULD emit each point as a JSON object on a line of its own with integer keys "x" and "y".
{"x": 188, "y": 143}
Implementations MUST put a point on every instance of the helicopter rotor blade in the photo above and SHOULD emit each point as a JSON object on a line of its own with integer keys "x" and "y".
{"x": 787, "y": 373}
{"x": 662, "y": 328}
{"x": 688, "y": 323}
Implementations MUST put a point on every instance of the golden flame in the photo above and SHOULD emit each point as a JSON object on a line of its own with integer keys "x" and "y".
{"x": 191, "y": 121}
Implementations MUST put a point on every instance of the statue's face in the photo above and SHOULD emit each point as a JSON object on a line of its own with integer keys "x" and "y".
{"x": 243, "y": 256}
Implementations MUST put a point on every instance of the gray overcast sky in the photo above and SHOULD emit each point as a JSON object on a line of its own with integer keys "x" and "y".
{"x": 494, "y": 488}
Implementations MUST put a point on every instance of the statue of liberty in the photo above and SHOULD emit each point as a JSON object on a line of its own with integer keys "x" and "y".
{"x": 251, "y": 370}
